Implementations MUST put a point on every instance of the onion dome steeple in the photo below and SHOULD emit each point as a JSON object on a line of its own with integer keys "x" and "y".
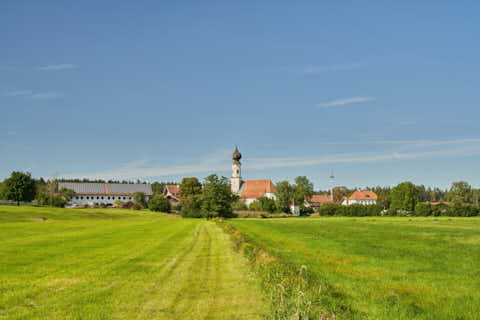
{"x": 236, "y": 156}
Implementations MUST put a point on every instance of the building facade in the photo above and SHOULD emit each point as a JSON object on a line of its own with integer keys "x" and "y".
{"x": 90, "y": 194}
{"x": 248, "y": 190}
{"x": 365, "y": 197}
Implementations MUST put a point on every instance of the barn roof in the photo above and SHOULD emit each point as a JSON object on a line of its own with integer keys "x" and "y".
{"x": 256, "y": 188}
{"x": 320, "y": 198}
{"x": 363, "y": 195}
{"x": 173, "y": 188}
{"x": 106, "y": 188}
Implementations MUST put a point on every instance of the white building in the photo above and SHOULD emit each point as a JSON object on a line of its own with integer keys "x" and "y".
{"x": 366, "y": 197}
{"x": 249, "y": 190}
{"x": 295, "y": 208}
{"x": 104, "y": 193}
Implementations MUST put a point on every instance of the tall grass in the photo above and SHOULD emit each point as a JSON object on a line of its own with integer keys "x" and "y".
{"x": 293, "y": 292}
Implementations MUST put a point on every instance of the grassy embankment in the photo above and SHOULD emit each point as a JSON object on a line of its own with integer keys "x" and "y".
{"x": 376, "y": 268}
{"x": 119, "y": 264}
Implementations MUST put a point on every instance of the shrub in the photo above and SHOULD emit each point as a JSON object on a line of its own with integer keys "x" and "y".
{"x": 423, "y": 209}
{"x": 354, "y": 210}
{"x": 306, "y": 211}
{"x": 192, "y": 207}
{"x": 128, "y": 205}
{"x": 263, "y": 204}
{"x": 139, "y": 199}
{"x": 136, "y": 206}
{"x": 159, "y": 203}
{"x": 239, "y": 205}
{"x": 118, "y": 204}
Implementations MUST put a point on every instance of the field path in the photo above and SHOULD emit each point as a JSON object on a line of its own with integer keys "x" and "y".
{"x": 95, "y": 265}
{"x": 205, "y": 279}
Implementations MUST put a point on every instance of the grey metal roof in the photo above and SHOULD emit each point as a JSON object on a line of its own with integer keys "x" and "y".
{"x": 105, "y": 188}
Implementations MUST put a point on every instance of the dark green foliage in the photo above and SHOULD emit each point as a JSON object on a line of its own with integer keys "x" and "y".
{"x": 190, "y": 187}
{"x": 20, "y": 187}
{"x": 192, "y": 207}
{"x": 159, "y": 203}
{"x": 460, "y": 193}
{"x": 354, "y": 210}
{"x": 423, "y": 209}
{"x": 306, "y": 211}
{"x": 216, "y": 197}
{"x": 303, "y": 189}
{"x": 284, "y": 193}
{"x": 140, "y": 200}
{"x": 263, "y": 204}
{"x": 58, "y": 199}
{"x": 239, "y": 205}
{"x": 404, "y": 197}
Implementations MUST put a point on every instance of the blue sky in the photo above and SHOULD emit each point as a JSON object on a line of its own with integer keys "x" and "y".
{"x": 378, "y": 91}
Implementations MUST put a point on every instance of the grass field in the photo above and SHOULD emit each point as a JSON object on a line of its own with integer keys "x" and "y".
{"x": 120, "y": 264}
{"x": 381, "y": 268}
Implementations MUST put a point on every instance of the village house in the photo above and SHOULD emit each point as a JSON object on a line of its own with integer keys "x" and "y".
{"x": 249, "y": 190}
{"x": 172, "y": 193}
{"x": 317, "y": 200}
{"x": 91, "y": 194}
{"x": 366, "y": 197}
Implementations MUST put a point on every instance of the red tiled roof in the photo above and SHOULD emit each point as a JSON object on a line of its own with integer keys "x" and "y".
{"x": 173, "y": 188}
{"x": 363, "y": 195}
{"x": 320, "y": 198}
{"x": 256, "y": 188}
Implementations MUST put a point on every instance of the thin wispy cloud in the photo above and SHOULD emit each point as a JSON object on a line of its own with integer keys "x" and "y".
{"x": 220, "y": 161}
{"x": 58, "y": 67}
{"x": 18, "y": 93}
{"x": 35, "y": 95}
{"x": 346, "y": 101}
{"x": 316, "y": 69}
{"x": 45, "y": 96}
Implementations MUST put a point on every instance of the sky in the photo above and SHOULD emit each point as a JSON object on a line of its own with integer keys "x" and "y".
{"x": 378, "y": 92}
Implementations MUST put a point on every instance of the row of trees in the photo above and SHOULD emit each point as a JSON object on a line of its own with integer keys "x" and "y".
{"x": 211, "y": 199}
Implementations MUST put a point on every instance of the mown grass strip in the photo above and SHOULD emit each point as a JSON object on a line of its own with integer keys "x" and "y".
{"x": 293, "y": 292}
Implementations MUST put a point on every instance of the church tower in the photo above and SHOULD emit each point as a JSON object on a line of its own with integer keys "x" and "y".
{"x": 236, "y": 171}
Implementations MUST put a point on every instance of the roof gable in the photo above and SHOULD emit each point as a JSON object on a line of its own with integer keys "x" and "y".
{"x": 363, "y": 195}
{"x": 320, "y": 198}
{"x": 173, "y": 189}
{"x": 256, "y": 188}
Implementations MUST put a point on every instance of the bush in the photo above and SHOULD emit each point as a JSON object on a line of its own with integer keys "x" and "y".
{"x": 354, "y": 210}
{"x": 139, "y": 199}
{"x": 118, "y": 204}
{"x": 306, "y": 211}
{"x": 239, "y": 205}
{"x": 136, "y": 206}
{"x": 192, "y": 207}
{"x": 263, "y": 204}
{"x": 128, "y": 205}
{"x": 423, "y": 209}
{"x": 159, "y": 203}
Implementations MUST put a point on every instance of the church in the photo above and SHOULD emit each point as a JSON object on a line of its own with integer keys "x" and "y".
{"x": 249, "y": 190}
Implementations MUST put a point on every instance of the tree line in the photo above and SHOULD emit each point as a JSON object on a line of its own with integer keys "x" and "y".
{"x": 212, "y": 197}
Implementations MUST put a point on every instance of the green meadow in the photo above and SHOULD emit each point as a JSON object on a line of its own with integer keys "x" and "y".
{"x": 120, "y": 264}
{"x": 380, "y": 268}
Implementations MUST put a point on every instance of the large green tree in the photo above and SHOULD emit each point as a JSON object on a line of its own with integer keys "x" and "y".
{"x": 460, "y": 193}
{"x": 190, "y": 187}
{"x": 284, "y": 194}
{"x": 140, "y": 199}
{"x": 159, "y": 203}
{"x": 404, "y": 197}
{"x": 303, "y": 189}
{"x": 20, "y": 187}
{"x": 216, "y": 197}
